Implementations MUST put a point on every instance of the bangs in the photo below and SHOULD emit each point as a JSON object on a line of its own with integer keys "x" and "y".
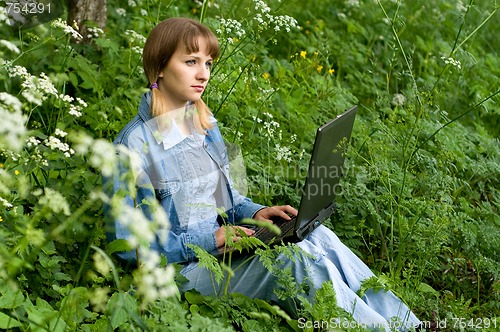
{"x": 190, "y": 40}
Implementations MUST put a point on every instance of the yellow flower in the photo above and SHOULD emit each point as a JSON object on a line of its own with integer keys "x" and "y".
{"x": 16, "y": 172}
{"x": 1, "y": 219}
{"x": 303, "y": 54}
{"x": 319, "y": 68}
{"x": 1, "y": 165}
{"x": 331, "y": 71}
{"x": 265, "y": 75}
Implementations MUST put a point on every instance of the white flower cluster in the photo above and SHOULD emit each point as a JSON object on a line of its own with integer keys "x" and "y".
{"x": 10, "y": 101}
{"x": 270, "y": 125}
{"x": 352, "y": 3}
{"x": 55, "y": 143}
{"x": 153, "y": 281}
{"x": 283, "y": 152}
{"x": 230, "y": 27}
{"x": 55, "y": 201}
{"x": 451, "y": 61}
{"x": 398, "y": 99}
{"x": 61, "y": 24}
{"x": 133, "y": 37}
{"x": 12, "y": 129}
{"x": 75, "y": 110}
{"x": 4, "y": 18}
{"x": 5, "y": 203}
{"x": 103, "y": 156}
{"x": 37, "y": 89}
{"x": 265, "y": 19}
{"x": 461, "y": 8}
{"x": 121, "y": 12}
{"x": 94, "y": 32}
{"x": 36, "y": 155}
{"x": 10, "y": 46}
{"x": 32, "y": 141}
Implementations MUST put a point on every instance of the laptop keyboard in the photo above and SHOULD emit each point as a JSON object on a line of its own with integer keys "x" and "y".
{"x": 266, "y": 235}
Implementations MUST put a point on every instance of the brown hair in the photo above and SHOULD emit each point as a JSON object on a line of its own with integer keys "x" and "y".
{"x": 162, "y": 43}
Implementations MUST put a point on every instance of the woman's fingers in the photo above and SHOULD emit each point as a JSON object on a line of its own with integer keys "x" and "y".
{"x": 236, "y": 234}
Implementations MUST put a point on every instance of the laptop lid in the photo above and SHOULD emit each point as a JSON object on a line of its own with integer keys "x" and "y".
{"x": 325, "y": 169}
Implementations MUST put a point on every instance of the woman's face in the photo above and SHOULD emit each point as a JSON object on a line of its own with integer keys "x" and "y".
{"x": 185, "y": 76}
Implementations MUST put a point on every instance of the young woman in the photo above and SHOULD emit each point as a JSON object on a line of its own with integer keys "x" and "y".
{"x": 184, "y": 165}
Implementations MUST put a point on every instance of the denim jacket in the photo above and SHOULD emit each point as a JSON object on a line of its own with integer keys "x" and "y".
{"x": 160, "y": 176}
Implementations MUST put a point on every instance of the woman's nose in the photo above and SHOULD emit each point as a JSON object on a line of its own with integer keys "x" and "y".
{"x": 203, "y": 73}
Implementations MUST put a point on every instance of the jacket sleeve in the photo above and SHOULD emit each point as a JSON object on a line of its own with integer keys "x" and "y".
{"x": 130, "y": 216}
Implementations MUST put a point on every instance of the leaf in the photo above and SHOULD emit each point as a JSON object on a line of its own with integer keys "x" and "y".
{"x": 194, "y": 297}
{"x": 208, "y": 261}
{"x": 121, "y": 306}
{"x": 11, "y": 300}
{"x": 7, "y": 322}
{"x": 117, "y": 246}
{"x": 426, "y": 288}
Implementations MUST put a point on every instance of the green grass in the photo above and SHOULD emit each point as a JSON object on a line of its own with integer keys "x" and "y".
{"x": 420, "y": 196}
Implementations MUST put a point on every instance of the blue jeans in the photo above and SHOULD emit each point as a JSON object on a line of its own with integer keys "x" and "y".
{"x": 328, "y": 260}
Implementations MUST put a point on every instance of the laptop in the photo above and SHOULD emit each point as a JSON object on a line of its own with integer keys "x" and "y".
{"x": 321, "y": 185}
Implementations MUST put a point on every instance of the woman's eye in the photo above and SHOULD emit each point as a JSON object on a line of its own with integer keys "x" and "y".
{"x": 209, "y": 64}
{"x": 191, "y": 62}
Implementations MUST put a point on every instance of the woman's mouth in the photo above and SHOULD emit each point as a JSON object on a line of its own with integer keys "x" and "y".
{"x": 199, "y": 88}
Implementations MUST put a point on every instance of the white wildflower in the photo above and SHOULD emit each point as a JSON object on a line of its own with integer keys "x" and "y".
{"x": 55, "y": 144}
{"x": 66, "y": 98}
{"x": 94, "y": 32}
{"x": 144, "y": 12}
{"x": 137, "y": 49}
{"x": 132, "y": 3}
{"x": 398, "y": 99}
{"x": 99, "y": 298}
{"x": 55, "y": 201}
{"x": 75, "y": 110}
{"x": 10, "y": 46}
{"x": 261, "y": 6}
{"x": 60, "y": 132}
{"x": 283, "y": 152}
{"x": 61, "y": 24}
{"x": 45, "y": 85}
{"x": 134, "y": 36}
{"x": 10, "y": 101}
{"x": 229, "y": 26}
{"x": 452, "y": 62}
{"x": 4, "y": 18}
{"x": 32, "y": 141}
{"x": 82, "y": 143}
{"x": 5, "y": 203}
{"x": 100, "y": 264}
{"x": 121, "y": 12}
{"x": 139, "y": 227}
{"x": 103, "y": 156}
{"x": 352, "y": 3}
{"x": 154, "y": 282}
{"x": 12, "y": 129}
{"x": 81, "y": 102}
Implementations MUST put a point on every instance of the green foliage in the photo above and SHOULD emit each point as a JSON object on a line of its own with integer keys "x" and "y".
{"x": 420, "y": 194}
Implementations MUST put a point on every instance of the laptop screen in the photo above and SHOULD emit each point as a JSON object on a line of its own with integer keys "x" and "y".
{"x": 325, "y": 169}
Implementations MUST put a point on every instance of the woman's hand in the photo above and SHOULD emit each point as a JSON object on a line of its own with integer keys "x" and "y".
{"x": 282, "y": 211}
{"x": 220, "y": 234}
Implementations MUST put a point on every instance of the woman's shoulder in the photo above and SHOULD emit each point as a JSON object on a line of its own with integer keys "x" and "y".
{"x": 129, "y": 131}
